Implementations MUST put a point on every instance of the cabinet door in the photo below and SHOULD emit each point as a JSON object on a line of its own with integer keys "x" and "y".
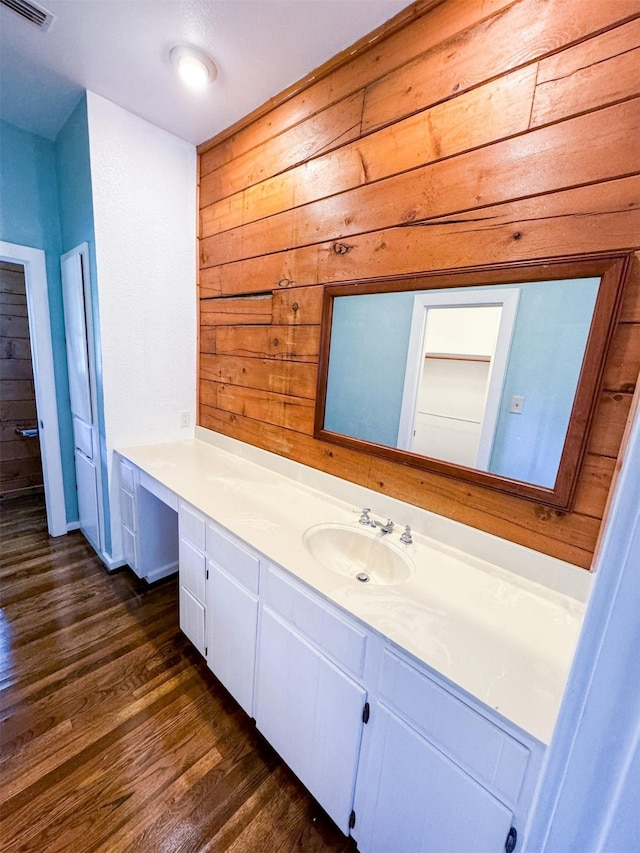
{"x": 193, "y": 570}
{"x": 192, "y": 620}
{"x": 311, "y": 713}
{"x": 421, "y": 801}
{"x": 232, "y": 618}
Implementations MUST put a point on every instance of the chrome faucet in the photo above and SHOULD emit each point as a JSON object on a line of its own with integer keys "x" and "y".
{"x": 370, "y": 522}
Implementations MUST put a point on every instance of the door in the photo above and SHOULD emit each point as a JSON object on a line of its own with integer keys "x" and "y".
{"x": 80, "y": 359}
{"x": 423, "y": 802}
{"x": 311, "y": 713}
{"x": 21, "y": 466}
{"x": 456, "y": 363}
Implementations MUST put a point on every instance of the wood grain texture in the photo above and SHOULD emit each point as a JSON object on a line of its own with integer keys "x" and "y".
{"x": 116, "y": 737}
{"x": 20, "y": 463}
{"x": 492, "y": 132}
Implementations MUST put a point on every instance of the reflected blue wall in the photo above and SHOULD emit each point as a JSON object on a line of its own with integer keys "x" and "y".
{"x": 368, "y": 360}
{"x": 369, "y": 344}
{"x": 549, "y": 340}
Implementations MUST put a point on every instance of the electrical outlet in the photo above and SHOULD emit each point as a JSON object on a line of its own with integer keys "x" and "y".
{"x": 185, "y": 420}
{"x": 517, "y": 405}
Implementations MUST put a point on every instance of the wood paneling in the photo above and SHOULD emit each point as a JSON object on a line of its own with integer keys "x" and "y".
{"x": 20, "y": 463}
{"x": 116, "y": 737}
{"x": 490, "y": 132}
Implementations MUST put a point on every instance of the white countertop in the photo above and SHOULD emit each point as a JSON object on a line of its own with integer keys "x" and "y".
{"x": 505, "y": 639}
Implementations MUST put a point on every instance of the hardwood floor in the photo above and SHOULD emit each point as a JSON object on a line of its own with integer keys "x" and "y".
{"x": 115, "y": 735}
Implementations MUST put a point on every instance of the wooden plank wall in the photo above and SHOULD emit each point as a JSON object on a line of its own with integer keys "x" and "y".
{"x": 466, "y": 133}
{"x": 20, "y": 463}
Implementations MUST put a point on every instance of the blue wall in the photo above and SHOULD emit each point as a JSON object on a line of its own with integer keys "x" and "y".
{"x": 29, "y": 216}
{"x": 369, "y": 342}
{"x": 549, "y": 340}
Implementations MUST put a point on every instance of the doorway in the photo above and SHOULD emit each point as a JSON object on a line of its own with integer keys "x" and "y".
{"x": 32, "y": 263}
{"x": 20, "y": 459}
{"x": 456, "y": 362}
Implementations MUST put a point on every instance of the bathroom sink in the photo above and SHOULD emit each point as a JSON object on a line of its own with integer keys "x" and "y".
{"x": 359, "y": 553}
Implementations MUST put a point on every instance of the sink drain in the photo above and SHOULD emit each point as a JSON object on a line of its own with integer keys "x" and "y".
{"x": 363, "y": 577}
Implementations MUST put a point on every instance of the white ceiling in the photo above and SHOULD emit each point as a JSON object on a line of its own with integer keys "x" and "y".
{"x": 120, "y": 49}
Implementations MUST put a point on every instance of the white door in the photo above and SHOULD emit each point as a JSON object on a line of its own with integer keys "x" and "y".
{"x": 423, "y": 802}
{"x": 81, "y": 366}
{"x": 453, "y": 433}
{"x": 232, "y": 626}
{"x": 311, "y": 713}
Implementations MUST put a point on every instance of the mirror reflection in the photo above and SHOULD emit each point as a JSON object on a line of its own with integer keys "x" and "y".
{"x": 484, "y": 377}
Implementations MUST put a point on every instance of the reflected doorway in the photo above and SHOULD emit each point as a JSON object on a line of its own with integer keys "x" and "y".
{"x": 456, "y": 363}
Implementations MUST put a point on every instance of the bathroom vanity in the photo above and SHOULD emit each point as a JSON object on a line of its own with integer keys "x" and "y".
{"x": 415, "y": 708}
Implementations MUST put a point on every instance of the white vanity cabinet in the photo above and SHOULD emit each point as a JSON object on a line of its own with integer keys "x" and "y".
{"x": 149, "y": 523}
{"x": 309, "y": 694}
{"x": 440, "y": 774}
{"x": 193, "y": 575}
{"x": 232, "y": 613}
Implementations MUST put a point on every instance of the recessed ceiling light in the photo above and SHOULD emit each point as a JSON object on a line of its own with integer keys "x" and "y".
{"x": 193, "y": 66}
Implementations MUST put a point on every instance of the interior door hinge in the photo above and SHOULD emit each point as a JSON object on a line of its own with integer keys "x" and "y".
{"x": 512, "y": 838}
{"x": 365, "y": 713}
{"x": 352, "y": 819}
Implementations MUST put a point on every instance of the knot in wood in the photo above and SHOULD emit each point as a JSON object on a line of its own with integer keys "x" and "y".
{"x": 341, "y": 248}
{"x": 285, "y": 282}
{"x": 294, "y": 307}
{"x": 517, "y": 235}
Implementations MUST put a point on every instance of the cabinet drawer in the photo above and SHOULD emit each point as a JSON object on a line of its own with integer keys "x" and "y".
{"x": 129, "y": 547}
{"x": 193, "y": 570}
{"x": 455, "y": 727}
{"x": 193, "y": 525}
{"x": 235, "y": 559}
{"x": 338, "y": 637}
{"x": 127, "y": 510}
{"x": 127, "y": 478}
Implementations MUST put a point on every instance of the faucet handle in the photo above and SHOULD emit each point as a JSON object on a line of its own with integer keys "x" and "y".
{"x": 406, "y": 536}
{"x": 364, "y": 518}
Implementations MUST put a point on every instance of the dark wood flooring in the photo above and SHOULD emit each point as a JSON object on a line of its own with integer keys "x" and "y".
{"x": 115, "y": 735}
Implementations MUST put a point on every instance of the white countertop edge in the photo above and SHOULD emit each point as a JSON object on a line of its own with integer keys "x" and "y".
{"x": 551, "y": 572}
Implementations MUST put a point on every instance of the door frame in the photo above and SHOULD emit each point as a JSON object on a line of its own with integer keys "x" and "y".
{"x": 35, "y": 278}
{"x": 506, "y": 299}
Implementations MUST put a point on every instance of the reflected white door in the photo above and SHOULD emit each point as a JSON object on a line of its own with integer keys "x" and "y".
{"x": 79, "y": 340}
{"x": 450, "y": 408}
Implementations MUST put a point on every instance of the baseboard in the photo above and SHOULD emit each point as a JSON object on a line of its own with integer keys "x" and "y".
{"x": 162, "y": 572}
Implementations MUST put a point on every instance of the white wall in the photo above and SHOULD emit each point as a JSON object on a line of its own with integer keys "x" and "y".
{"x": 144, "y": 203}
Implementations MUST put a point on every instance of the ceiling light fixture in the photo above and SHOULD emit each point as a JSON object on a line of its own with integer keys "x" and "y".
{"x": 193, "y": 66}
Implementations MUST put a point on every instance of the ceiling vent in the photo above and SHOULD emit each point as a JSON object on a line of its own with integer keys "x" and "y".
{"x": 36, "y": 15}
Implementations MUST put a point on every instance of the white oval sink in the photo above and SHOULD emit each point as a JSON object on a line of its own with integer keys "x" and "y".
{"x": 358, "y": 553}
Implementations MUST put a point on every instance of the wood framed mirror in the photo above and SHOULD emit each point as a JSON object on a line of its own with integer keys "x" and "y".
{"x": 489, "y": 375}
